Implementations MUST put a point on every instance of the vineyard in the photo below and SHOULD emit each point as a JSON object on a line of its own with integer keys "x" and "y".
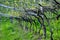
{"x": 29, "y": 20}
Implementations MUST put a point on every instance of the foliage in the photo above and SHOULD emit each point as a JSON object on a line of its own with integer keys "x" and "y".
{"x": 13, "y": 31}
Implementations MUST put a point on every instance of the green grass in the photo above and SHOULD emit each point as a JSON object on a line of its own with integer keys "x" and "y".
{"x": 14, "y": 31}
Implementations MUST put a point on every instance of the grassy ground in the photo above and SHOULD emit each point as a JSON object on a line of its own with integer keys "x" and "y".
{"x": 13, "y": 30}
